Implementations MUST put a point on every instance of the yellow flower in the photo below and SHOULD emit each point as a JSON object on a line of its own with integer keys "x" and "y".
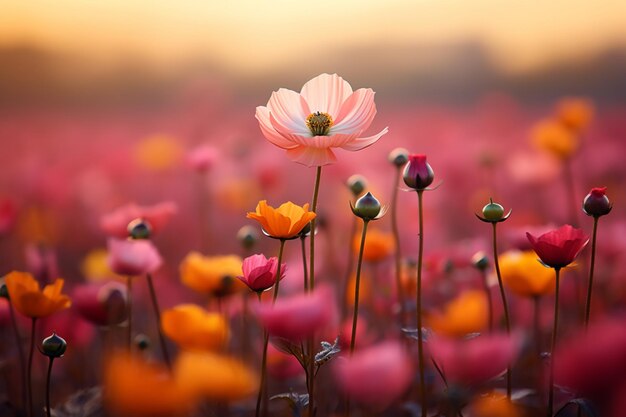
{"x": 95, "y": 266}
{"x": 216, "y": 275}
{"x": 468, "y": 313}
{"x": 378, "y": 245}
{"x": 214, "y": 377}
{"x": 194, "y": 328}
{"x": 554, "y": 138}
{"x": 133, "y": 387}
{"x": 28, "y": 299}
{"x": 284, "y": 222}
{"x": 524, "y": 275}
{"x": 158, "y": 153}
{"x": 575, "y": 113}
{"x": 494, "y": 405}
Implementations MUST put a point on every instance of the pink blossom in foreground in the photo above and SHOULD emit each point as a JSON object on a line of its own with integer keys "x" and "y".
{"x": 300, "y": 316}
{"x": 116, "y": 223}
{"x": 326, "y": 114}
{"x": 259, "y": 272}
{"x": 101, "y": 304}
{"x": 377, "y": 375}
{"x": 133, "y": 257}
{"x": 474, "y": 361}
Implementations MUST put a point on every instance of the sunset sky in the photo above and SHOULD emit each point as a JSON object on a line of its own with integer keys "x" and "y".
{"x": 250, "y": 35}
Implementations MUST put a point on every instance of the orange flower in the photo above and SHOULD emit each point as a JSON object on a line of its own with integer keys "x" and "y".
{"x": 494, "y": 405}
{"x": 194, "y": 328}
{"x": 468, "y": 313}
{"x": 216, "y": 275}
{"x": 554, "y": 138}
{"x": 158, "y": 153}
{"x": 524, "y": 275}
{"x": 133, "y": 387}
{"x": 214, "y": 377}
{"x": 378, "y": 245}
{"x": 28, "y": 298}
{"x": 285, "y": 222}
{"x": 575, "y": 113}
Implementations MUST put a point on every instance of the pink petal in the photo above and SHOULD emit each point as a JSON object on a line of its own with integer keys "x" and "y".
{"x": 263, "y": 116}
{"x": 356, "y": 113}
{"x": 325, "y": 93}
{"x": 361, "y": 143}
{"x": 311, "y": 157}
{"x": 289, "y": 110}
{"x": 333, "y": 141}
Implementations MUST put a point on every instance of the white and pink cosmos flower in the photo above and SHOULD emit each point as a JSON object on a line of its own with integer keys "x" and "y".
{"x": 326, "y": 114}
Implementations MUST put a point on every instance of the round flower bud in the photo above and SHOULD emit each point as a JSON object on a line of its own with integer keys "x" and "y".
{"x": 480, "y": 261}
{"x": 4, "y": 291}
{"x": 139, "y": 229}
{"x": 367, "y": 207}
{"x": 399, "y": 157}
{"x": 53, "y": 346}
{"x": 596, "y": 203}
{"x": 493, "y": 212}
{"x": 417, "y": 173}
{"x": 357, "y": 184}
{"x": 247, "y": 236}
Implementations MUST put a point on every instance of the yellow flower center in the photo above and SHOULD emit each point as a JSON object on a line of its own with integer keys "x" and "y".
{"x": 319, "y": 123}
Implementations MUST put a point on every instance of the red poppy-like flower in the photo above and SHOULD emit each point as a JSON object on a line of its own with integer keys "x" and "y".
{"x": 158, "y": 215}
{"x": 101, "y": 304}
{"x": 326, "y": 114}
{"x": 133, "y": 257}
{"x": 259, "y": 272}
{"x": 558, "y": 248}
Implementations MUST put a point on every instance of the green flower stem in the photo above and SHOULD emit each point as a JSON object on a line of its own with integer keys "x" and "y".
{"x": 420, "y": 338}
{"x": 30, "y": 367}
{"x": 396, "y": 237}
{"x": 20, "y": 352}
{"x": 311, "y": 341}
{"x": 554, "y": 332}
{"x": 48, "y": 386}
{"x": 591, "y": 268}
{"x": 355, "y": 315}
{"x": 266, "y": 338}
{"x": 507, "y": 319}
{"x": 305, "y": 269}
{"x": 280, "y": 258}
{"x": 129, "y": 311}
{"x": 157, "y": 312}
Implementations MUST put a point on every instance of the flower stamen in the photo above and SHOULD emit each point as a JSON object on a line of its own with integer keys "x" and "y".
{"x": 319, "y": 123}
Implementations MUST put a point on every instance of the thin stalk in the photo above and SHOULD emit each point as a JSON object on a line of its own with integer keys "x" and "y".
{"x": 30, "y": 366}
{"x": 554, "y": 332}
{"x": 305, "y": 267}
{"x": 311, "y": 341}
{"x": 420, "y": 339}
{"x": 259, "y": 399}
{"x": 157, "y": 312}
{"x": 48, "y": 386}
{"x": 591, "y": 268}
{"x": 20, "y": 352}
{"x": 129, "y": 310}
{"x": 396, "y": 237}
{"x": 355, "y": 315}
{"x": 280, "y": 258}
{"x": 504, "y": 303}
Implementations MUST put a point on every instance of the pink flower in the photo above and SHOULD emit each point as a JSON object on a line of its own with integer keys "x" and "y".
{"x": 377, "y": 375}
{"x": 133, "y": 257}
{"x": 418, "y": 174}
{"x": 300, "y": 316}
{"x": 8, "y": 215}
{"x": 473, "y": 361}
{"x": 101, "y": 304}
{"x": 202, "y": 158}
{"x": 259, "y": 272}
{"x": 325, "y": 114}
{"x": 116, "y": 223}
{"x": 558, "y": 248}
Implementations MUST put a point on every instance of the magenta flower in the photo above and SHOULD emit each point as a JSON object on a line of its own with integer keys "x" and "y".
{"x": 101, "y": 304}
{"x": 133, "y": 257}
{"x": 326, "y": 114}
{"x": 259, "y": 272}
{"x": 116, "y": 223}
{"x": 477, "y": 360}
{"x": 377, "y": 375}
{"x": 418, "y": 174}
{"x": 558, "y": 248}
{"x": 300, "y": 316}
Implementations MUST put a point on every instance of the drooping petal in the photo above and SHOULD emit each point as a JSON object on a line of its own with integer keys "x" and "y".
{"x": 289, "y": 111}
{"x": 263, "y": 116}
{"x": 311, "y": 157}
{"x": 362, "y": 143}
{"x": 356, "y": 113}
{"x": 325, "y": 93}
{"x": 334, "y": 141}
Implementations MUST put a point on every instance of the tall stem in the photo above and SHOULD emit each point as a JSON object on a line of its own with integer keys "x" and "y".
{"x": 259, "y": 399}
{"x": 396, "y": 236}
{"x": 20, "y": 352}
{"x": 305, "y": 266}
{"x": 355, "y": 316}
{"x": 420, "y": 338}
{"x": 280, "y": 258}
{"x": 554, "y": 332}
{"x": 591, "y": 268}
{"x": 504, "y": 303}
{"x": 157, "y": 312}
{"x": 129, "y": 310}
{"x": 311, "y": 341}
{"x": 48, "y": 386}
{"x": 30, "y": 367}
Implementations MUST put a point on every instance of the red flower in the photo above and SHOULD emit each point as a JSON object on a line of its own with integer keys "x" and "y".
{"x": 259, "y": 273}
{"x": 558, "y": 248}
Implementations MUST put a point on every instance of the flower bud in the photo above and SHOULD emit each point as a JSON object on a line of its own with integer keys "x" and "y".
{"x": 596, "y": 203}
{"x": 53, "y": 346}
{"x": 367, "y": 207}
{"x": 247, "y": 236}
{"x": 493, "y": 212}
{"x": 139, "y": 229}
{"x": 417, "y": 173}
{"x": 398, "y": 157}
{"x": 480, "y": 261}
{"x": 142, "y": 342}
{"x": 357, "y": 184}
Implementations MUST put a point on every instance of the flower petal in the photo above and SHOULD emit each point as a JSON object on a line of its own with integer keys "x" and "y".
{"x": 263, "y": 116}
{"x": 334, "y": 141}
{"x": 361, "y": 143}
{"x": 325, "y": 93}
{"x": 356, "y": 113}
{"x": 289, "y": 111}
{"x": 311, "y": 157}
